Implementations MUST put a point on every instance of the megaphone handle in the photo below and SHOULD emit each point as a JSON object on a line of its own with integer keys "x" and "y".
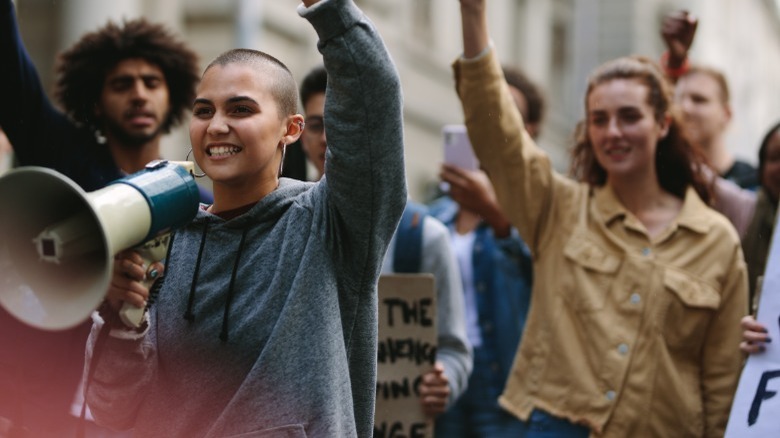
{"x": 132, "y": 316}
{"x": 151, "y": 251}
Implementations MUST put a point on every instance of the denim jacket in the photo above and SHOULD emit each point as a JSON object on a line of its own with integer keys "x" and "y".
{"x": 502, "y": 270}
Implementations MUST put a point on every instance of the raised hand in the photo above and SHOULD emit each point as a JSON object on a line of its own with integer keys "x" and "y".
{"x": 678, "y": 30}
{"x": 474, "y": 27}
{"x": 473, "y": 192}
{"x": 470, "y": 189}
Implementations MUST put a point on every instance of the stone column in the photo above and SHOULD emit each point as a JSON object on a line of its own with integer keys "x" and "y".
{"x": 248, "y": 23}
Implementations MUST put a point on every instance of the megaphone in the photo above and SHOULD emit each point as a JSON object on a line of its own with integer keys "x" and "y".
{"x": 57, "y": 242}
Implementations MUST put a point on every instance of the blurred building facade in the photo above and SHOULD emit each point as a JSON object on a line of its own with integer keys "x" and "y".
{"x": 557, "y": 42}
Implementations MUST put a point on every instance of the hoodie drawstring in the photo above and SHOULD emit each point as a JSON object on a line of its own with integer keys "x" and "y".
{"x": 188, "y": 314}
{"x": 224, "y": 334}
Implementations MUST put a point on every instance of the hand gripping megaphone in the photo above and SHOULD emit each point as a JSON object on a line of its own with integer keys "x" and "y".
{"x": 57, "y": 242}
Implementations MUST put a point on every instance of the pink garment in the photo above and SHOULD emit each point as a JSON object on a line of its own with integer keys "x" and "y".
{"x": 734, "y": 202}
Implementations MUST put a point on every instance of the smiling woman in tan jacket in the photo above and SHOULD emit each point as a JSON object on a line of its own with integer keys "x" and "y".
{"x": 638, "y": 285}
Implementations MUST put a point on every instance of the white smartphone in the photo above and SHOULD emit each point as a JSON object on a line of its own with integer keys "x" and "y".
{"x": 457, "y": 147}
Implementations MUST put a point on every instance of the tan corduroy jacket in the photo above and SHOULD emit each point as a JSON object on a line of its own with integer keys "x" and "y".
{"x": 632, "y": 336}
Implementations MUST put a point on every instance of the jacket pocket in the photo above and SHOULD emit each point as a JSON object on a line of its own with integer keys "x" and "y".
{"x": 592, "y": 274}
{"x": 286, "y": 431}
{"x": 691, "y": 304}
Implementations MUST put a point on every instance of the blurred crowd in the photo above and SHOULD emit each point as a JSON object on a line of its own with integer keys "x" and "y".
{"x": 566, "y": 303}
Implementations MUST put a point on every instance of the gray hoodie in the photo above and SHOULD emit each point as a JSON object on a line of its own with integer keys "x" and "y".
{"x": 266, "y": 324}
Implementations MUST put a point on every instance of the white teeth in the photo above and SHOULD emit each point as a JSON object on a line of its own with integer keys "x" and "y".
{"x": 618, "y": 150}
{"x": 222, "y": 151}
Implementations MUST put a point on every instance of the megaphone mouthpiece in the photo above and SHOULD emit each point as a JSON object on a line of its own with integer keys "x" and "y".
{"x": 69, "y": 238}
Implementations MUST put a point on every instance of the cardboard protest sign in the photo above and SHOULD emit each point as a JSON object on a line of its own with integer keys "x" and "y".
{"x": 406, "y": 350}
{"x": 754, "y": 412}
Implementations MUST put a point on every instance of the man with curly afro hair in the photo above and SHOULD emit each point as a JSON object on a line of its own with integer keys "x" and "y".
{"x": 119, "y": 89}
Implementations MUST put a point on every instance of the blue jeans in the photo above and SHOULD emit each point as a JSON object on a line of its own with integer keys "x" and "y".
{"x": 543, "y": 425}
{"x": 486, "y": 422}
{"x": 477, "y": 413}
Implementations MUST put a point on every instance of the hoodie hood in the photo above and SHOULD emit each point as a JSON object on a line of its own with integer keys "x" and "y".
{"x": 270, "y": 208}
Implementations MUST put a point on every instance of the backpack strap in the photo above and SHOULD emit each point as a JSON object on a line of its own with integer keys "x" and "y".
{"x": 408, "y": 239}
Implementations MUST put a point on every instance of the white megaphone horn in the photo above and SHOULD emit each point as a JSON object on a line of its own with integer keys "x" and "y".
{"x": 57, "y": 242}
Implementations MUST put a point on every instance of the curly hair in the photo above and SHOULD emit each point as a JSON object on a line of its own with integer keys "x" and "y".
{"x": 81, "y": 69}
{"x": 678, "y": 162}
{"x": 533, "y": 95}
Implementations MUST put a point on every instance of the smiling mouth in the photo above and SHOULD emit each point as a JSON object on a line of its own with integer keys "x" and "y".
{"x": 222, "y": 151}
{"x": 618, "y": 150}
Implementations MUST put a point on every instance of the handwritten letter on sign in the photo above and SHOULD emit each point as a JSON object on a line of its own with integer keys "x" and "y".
{"x": 407, "y": 350}
{"x": 756, "y": 407}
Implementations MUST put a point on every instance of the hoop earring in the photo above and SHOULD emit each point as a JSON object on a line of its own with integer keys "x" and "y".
{"x": 195, "y": 174}
{"x": 99, "y": 137}
{"x": 281, "y": 163}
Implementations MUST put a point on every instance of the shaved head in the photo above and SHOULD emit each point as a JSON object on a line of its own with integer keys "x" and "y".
{"x": 281, "y": 82}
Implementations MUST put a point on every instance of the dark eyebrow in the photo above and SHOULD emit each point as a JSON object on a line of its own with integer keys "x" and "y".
{"x": 628, "y": 109}
{"x": 236, "y": 99}
{"x": 621, "y": 109}
{"x": 119, "y": 79}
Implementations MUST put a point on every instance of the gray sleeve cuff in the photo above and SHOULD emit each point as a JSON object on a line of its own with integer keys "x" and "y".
{"x": 331, "y": 18}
